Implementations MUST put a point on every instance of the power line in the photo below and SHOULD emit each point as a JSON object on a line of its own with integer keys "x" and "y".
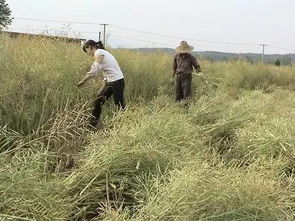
{"x": 143, "y": 38}
{"x": 170, "y": 45}
{"x": 50, "y": 29}
{"x": 182, "y": 37}
{"x": 28, "y": 31}
{"x": 57, "y": 21}
{"x": 282, "y": 49}
{"x": 119, "y": 36}
{"x": 136, "y": 39}
{"x": 152, "y": 39}
{"x": 148, "y": 33}
{"x": 135, "y": 30}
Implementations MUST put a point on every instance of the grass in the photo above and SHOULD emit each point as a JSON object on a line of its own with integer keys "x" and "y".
{"x": 229, "y": 155}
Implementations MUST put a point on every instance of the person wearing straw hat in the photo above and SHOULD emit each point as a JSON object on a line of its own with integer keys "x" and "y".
{"x": 183, "y": 65}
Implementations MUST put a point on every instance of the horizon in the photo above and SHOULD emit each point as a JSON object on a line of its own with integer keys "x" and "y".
{"x": 235, "y": 26}
{"x": 156, "y": 48}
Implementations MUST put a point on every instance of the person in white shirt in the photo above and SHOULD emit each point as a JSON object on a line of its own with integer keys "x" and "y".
{"x": 113, "y": 83}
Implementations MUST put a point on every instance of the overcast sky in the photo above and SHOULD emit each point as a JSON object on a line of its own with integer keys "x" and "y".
{"x": 163, "y": 23}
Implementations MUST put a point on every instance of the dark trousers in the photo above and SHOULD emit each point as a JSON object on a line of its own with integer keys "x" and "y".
{"x": 183, "y": 86}
{"x": 116, "y": 89}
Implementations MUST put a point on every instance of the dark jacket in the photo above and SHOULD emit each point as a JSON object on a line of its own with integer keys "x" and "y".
{"x": 184, "y": 64}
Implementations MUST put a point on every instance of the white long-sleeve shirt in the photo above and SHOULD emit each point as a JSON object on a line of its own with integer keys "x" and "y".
{"x": 94, "y": 70}
{"x": 109, "y": 66}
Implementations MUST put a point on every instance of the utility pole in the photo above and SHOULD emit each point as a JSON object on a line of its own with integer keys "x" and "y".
{"x": 99, "y": 36}
{"x": 104, "y": 33}
{"x": 262, "y": 56}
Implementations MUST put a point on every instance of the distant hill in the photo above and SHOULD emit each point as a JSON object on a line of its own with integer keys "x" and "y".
{"x": 223, "y": 56}
{"x": 269, "y": 58}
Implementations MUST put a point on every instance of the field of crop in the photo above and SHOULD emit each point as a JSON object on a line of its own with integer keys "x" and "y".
{"x": 230, "y": 155}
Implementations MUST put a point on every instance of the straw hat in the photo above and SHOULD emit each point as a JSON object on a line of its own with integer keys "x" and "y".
{"x": 184, "y": 47}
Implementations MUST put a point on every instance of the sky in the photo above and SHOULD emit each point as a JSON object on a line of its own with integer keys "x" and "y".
{"x": 218, "y": 25}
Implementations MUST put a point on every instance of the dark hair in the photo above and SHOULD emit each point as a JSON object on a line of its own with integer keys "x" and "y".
{"x": 93, "y": 44}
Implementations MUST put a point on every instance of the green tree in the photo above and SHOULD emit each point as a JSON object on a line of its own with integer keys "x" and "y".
{"x": 277, "y": 63}
{"x": 5, "y": 14}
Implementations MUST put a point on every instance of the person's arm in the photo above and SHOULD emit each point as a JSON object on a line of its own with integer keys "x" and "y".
{"x": 86, "y": 78}
{"x": 174, "y": 67}
{"x": 196, "y": 64}
{"x": 98, "y": 58}
{"x": 94, "y": 70}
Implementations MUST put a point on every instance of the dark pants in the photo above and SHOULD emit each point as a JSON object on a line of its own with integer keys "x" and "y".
{"x": 183, "y": 86}
{"x": 116, "y": 89}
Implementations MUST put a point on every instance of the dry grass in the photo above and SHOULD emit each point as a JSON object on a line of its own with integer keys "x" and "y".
{"x": 227, "y": 156}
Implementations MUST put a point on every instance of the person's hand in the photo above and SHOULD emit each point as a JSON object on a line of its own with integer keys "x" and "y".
{"x": 101, "y": 95}
{"x": 80, "y": 83}
{"x": 172, "y": 81}
{"x": 99, "y": 92}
